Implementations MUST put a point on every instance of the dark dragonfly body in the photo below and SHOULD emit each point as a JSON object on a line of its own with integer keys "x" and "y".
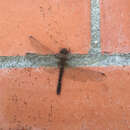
{"x": 62, "y": 63}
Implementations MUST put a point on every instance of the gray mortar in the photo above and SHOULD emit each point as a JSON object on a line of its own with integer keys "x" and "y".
{"x": 34, "y": 60}
{"x": 93, "y": 58}
{"x": 95, "y": 27}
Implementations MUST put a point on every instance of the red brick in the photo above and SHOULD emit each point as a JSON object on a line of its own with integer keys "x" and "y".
{"x": 115, "y": 26}
{"x": 28, "y": 98}
{"x": 56, "y": 24}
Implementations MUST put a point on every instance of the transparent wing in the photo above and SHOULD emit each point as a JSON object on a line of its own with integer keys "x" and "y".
{"x": 84, "y": 74}
{"x": 39, "y": 47}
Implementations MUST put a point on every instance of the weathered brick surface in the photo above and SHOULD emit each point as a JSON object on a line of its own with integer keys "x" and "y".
{"x": 28, "y": 99}
{"x": 55, "y": 23}
{"x": 115, "y": 26}
{"x": 89, "y": 100}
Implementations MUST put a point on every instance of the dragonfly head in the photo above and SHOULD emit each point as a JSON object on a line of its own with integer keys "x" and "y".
{"x": 64, "y": 51}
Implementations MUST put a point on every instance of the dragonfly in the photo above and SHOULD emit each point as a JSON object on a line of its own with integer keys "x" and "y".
{"x": 62, "y": 57}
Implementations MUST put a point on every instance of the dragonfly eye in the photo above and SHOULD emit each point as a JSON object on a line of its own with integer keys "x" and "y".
{"x": 64, "y": 51}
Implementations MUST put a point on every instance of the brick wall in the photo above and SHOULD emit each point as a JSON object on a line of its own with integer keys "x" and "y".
{"x": 95, "y": 92}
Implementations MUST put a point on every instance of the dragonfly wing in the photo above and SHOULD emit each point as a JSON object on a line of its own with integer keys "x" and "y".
{"x": 82, "y": 74}
{"x": 39, "y": 47}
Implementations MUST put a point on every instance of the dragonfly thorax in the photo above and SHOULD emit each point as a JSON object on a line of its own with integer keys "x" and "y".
{"x": 64, "y": 51}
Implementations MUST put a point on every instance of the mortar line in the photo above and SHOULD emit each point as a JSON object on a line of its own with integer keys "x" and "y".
{"x": 95, "y": 46}
{"x": 77, "y": 60}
